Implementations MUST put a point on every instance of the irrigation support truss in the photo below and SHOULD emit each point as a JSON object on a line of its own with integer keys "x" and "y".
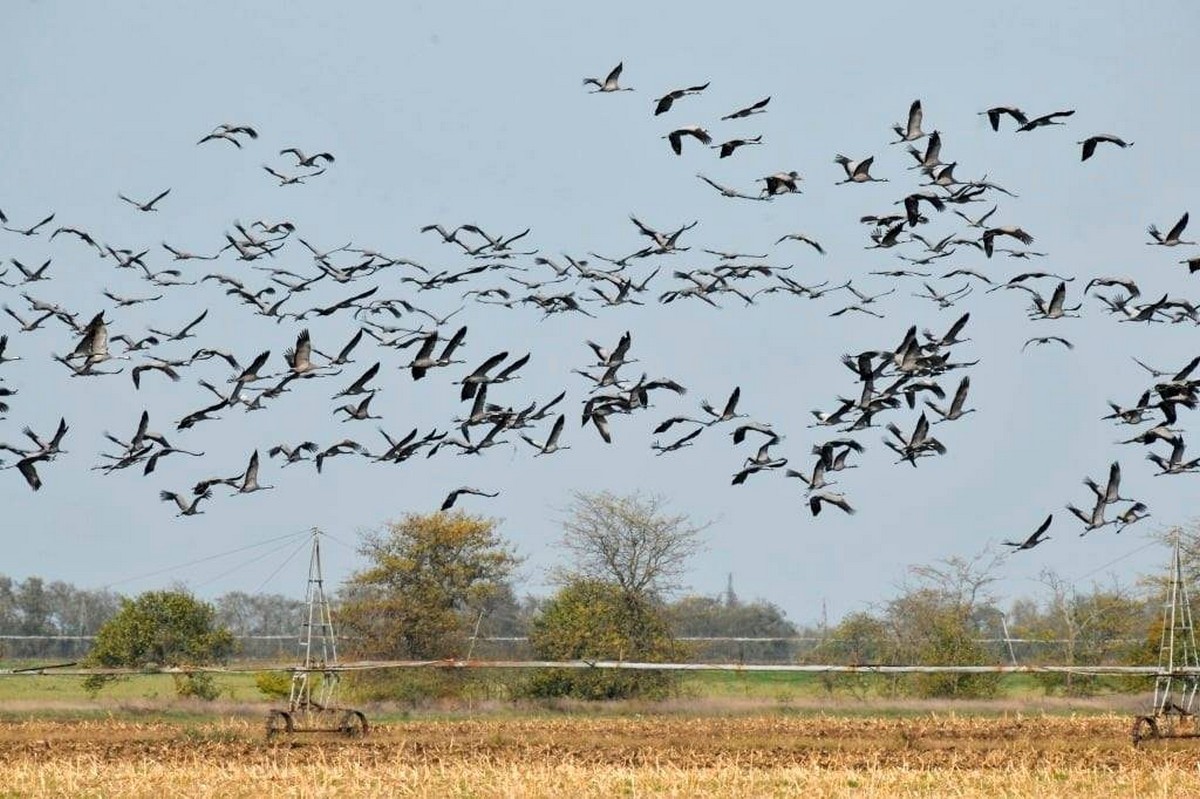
{"x": 1176, "y": 683}
{"x": 315, "y": 681}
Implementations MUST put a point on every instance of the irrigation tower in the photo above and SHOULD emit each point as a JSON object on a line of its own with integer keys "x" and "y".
{"x": 1178, "y": 675}
{"x": 311, "y": 701}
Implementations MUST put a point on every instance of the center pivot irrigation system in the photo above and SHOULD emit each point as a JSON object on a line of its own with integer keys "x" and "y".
{"x": 312, "y": 701}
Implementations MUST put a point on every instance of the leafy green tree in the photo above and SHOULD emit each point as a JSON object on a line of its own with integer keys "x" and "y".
{"x": 859, "y": 639}
{"x": 1103, "y": 626}
{"x": 590, "y": 619}
{"x": 163, "y": 628}
{"x": 430, "y": 576}
{"x": 938, "y": 620}
{"x": 596, "y": 620}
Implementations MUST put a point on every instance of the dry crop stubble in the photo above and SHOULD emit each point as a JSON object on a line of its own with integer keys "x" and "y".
{"x": 943, "y": 755}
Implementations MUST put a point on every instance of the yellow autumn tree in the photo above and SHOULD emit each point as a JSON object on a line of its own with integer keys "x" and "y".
{"x": 429, "y": 578}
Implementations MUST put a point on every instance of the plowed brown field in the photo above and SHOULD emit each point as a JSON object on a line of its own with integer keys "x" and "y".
{"x": 935, "y": 756}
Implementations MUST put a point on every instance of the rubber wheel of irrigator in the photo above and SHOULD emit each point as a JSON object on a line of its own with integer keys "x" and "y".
{"x": 353, "y": 724}
{"x": 279, "y": 721}
{"x": 1144, "y": 728}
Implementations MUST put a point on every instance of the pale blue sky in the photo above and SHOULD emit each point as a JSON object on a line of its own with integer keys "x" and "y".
{"x": 456, "y": 113}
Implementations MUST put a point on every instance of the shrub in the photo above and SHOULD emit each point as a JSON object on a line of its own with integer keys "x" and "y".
{"x": 198, "y": 684}
{"x": 274, "y": 684}
{"x": 591, "y": 619}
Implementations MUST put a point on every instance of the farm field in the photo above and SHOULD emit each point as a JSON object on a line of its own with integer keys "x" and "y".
{"x": 765, "y": 754}
{"x": 727, "y": 734}
{"x": 778, "y": 688}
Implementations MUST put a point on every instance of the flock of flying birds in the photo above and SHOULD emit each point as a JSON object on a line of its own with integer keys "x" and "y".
{"x": 388, "y": 323}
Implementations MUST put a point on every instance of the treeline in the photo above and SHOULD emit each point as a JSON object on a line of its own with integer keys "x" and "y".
{"x": 33, "y": 607}
{"x": 40, "y": 619}
{"x": 625, "y": 559}
{"x": 944, "y": 617}
{"x": 57, "y": 619}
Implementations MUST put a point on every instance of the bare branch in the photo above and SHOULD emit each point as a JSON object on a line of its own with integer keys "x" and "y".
{"x": 629, "y": 540}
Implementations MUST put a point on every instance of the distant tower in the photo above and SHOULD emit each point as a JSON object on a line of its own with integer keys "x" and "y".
{"x": 731, "y": 598}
